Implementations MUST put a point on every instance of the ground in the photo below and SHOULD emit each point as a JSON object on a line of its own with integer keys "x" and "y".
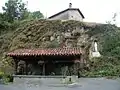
{"x": 83, "y": 84}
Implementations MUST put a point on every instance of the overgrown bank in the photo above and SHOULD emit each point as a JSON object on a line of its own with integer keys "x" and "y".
{"x": 52, "y": 34}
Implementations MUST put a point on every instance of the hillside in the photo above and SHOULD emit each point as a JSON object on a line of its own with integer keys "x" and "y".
{"x": 52, "y": 34}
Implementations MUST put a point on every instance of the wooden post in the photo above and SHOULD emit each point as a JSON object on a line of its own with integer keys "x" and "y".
{"x": 16, "y": 65}
{"x": 43, "y": 65}
{"x": 26, "y": 67}
{"x": 44, "y": 68}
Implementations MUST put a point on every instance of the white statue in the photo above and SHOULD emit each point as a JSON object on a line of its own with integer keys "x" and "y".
{"x": 95, "y": 53}
{"x": 95, "y": 46}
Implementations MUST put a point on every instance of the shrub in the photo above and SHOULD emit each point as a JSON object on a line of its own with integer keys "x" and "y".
{"x": 5, "y": 78}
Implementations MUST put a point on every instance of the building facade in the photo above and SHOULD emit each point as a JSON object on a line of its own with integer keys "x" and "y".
{"x": 68, "y": 14}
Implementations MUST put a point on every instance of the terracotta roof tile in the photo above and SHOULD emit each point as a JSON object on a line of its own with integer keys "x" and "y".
{"x": 48, "y": 52}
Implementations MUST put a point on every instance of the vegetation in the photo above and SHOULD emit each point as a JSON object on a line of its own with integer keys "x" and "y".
{"x": 15, "y": 14}
{"x": 5, "y": 78}
{"x": 14, "y": 10}
{"x": 103, "y": 67}
{"x": 17, "y": 10}
{"x": 108, "y": 64}
{"x": 30, "y": 34}
{"x": 20, "y": 28}
{"x": 35, "y": 15}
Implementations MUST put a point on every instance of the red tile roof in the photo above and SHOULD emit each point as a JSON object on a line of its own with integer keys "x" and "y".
{"x": 47, "y": 52}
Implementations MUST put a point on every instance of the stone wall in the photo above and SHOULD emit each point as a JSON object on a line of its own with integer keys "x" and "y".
{"x": 33, "y": 79}
{"x": 42, "y": 80}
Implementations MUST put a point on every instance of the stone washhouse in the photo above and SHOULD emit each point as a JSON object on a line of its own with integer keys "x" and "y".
{"x": 52, "y": 61}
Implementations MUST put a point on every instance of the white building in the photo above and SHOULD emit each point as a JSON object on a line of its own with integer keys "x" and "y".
{"x": 68, "y": 14}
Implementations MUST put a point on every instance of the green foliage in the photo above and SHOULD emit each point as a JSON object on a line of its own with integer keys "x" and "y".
{"x": 36, "y": 15}
{"x": 5, "y": 78}
{"x": 104, "y": 66}
{"x": 111, "y": 45}
{"x": 102, "y": 29}
{"x": 14, "y": 10}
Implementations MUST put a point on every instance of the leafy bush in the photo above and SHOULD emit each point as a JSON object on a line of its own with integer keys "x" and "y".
{"x": 104, "y": 66}
{"x": 5, "y": 78}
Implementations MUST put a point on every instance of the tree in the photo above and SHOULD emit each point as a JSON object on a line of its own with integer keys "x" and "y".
{"x": 1, "y": 17}
{"x": 37, "y": 15}
{"x": 14, "y": 9}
